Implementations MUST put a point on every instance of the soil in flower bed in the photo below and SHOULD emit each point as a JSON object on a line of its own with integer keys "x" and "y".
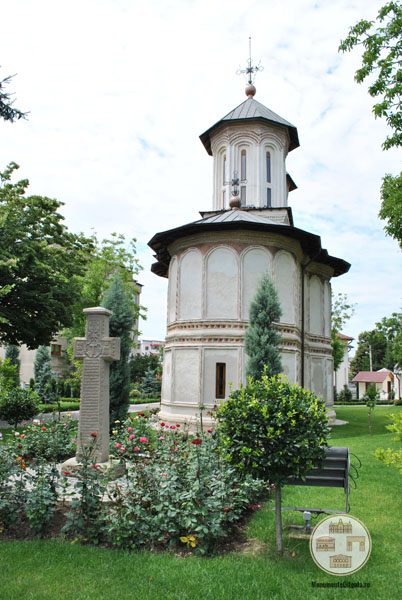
{"x": 236, "y": 541}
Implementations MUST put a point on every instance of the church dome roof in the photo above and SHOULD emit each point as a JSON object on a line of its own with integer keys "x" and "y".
{"x": 235, "y": 220}
{"x": 251, "y": 110}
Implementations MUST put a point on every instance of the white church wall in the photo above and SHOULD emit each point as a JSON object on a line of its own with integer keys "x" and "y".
{"x": 230, "y": 357}
{"x": 186, "y": 375}
{"x": 222, "y": 282}
{"x": 289, "y": 366}
{"x": 166, "y": 393}
{"x": 172, "y": 290}
{"x": 317, "y": 377}
{"x": 190, "y": 290}
{"x": 327, "y": 309}
{"x": 255, "y": 262}
{"x": 316, "y": 308}
{"x": 285, "y": 271}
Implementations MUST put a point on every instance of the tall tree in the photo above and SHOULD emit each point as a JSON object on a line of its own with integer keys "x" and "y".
{"x": 342, "y": 312}
{"x": 381, "y": 41}
{"x": 391, "y": 206}
{"x": 117, "y": 300}
{"x": 45, "y": 381}
{"x": 109, "y": 257}
{"x": 8, "y": 112}
{"x": 262, "y": 340}
{"x": 39, "y": 262}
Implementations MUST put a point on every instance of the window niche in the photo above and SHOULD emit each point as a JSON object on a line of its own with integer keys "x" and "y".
{"x": 220, "y": 381}
{"x": 268, "y": 178}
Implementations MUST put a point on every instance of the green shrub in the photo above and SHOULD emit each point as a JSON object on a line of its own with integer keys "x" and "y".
{"x": 178, "y": 492}
{"x": 345, "y": 395}
{"x": 273, "y": 430}
{"x": 53, "y": 441}
{"x": 17, "y": 404}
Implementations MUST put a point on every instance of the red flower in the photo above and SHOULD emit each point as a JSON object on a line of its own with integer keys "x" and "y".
{"x": 66, "y": 473}
{"x": 226, "y": 509}
{"x": 210, "y": 430}
{"x": 196, "y": 441}
{"x": 117, "y": 445}
{"x": 94, "y": 434}
{"x": 163, "y": 424}
{"x": 136, "y": 449}
{"x": 143, "y": 440}
{"x": 177, "y": 424}
{"x": 43, "y": 428}
{"x": 173, "y": 427}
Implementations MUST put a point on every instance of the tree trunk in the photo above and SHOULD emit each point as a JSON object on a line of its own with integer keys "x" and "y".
{"x": 278, "y": 519}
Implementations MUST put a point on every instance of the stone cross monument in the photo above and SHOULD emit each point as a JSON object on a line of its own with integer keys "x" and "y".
{"x": 97, "y": 351}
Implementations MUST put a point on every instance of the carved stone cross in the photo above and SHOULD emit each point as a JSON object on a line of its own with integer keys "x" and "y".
{"x": 98, "y": 351}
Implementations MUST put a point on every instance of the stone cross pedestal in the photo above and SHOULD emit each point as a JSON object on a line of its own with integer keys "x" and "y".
{"x": 97, "y": 351}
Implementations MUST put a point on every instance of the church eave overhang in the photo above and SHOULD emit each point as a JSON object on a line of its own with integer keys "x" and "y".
{"x": 206, "y": 136}
{"x": 310, "y": 243}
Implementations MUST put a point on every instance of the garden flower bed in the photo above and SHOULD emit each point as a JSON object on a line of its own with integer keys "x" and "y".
{"x": 177, "y": 492}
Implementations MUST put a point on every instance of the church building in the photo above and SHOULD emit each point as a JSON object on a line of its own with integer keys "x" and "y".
{"x": 214, "y": 266}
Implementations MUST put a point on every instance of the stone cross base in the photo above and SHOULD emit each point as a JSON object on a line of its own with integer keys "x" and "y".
{"x": 113, "y": 469}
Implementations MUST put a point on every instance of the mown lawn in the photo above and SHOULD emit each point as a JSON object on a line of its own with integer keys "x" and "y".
{"x": 56, "y": 570}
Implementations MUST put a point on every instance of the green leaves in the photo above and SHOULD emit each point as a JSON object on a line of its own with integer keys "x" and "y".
{"x": 391, "y": 206}
{"x": 39, "y": 260}
{"x": 262, "y": 340}
{"x": 280, "y": 435}
{"x": 381, "y": 59}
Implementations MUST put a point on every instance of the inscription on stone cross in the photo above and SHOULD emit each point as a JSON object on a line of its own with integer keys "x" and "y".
{"x": 97, "y": 350}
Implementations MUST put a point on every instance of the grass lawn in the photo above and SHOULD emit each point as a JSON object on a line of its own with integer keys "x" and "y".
{"x": 55, "y": 570}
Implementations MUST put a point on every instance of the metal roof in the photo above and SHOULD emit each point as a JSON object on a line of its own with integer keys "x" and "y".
{"x": 235, "y": 220}
{"x": 250, "y": 109}
{"x": 229, "y": 216}
{"x": 372, "y": 376}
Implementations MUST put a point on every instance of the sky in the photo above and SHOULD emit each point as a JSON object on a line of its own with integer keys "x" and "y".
{"x": 118, "y": 92}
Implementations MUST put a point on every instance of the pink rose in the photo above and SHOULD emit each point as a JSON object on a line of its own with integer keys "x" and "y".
{"x": 143, "y": 440}
{"x": 117, "y": 445}
{"x": 129, "y": 428}
{"x": 131, "y": 436}
{"x": 136, "y": 449}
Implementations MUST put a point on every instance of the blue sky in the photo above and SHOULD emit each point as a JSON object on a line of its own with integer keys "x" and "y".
{"x": 119, "y": 91}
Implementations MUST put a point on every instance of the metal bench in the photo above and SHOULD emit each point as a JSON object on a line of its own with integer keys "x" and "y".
{"x": 334, "y": 471}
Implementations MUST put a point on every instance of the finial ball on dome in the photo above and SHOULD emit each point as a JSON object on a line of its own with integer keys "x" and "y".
{"x": 250, "y": 90}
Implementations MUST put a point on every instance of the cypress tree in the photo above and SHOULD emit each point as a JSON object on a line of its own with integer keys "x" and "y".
{"x": 44, "y": 376}
{"x": 117, "y": 299}
{"x": 262, "y": 340}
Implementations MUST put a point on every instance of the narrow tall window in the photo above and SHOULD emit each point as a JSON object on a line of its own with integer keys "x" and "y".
{"x": 242, "y": 195}
{"x": 243, "y": 165}
{"x": 224, "y": 170}
{"x": 220, "y": 380}
{"x": 268, "y": 179}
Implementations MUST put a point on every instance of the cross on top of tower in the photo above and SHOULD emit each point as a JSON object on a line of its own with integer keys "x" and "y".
{"x": 250, "y": 71}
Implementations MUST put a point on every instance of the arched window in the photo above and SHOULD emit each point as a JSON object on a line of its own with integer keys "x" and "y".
{"x": 243, "y": 165}
{"x": 223, "y": 179}
{"x": 243, "y": 177}
{"x": 268, "y": 178}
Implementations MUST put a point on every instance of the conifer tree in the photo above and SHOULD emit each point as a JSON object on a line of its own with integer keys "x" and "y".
{"x": 117, "y": 300}
{"x": 13, "y": 353}
{"x": 150, "y": 386}
{"x": 262, "y": 340}
{"x": 44, "y": 376}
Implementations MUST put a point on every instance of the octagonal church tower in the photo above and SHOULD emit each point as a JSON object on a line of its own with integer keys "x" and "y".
{"x": 214, "y": 266}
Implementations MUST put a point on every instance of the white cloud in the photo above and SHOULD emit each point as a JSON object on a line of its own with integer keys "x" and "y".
{"x": 119, "y": 91}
